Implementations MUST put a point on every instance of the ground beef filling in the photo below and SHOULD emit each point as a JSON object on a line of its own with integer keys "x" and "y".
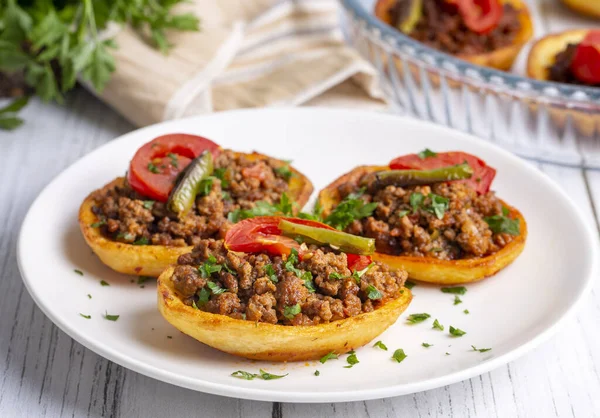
{"x": 128, "y": 217}
{"x": 400, "y": 228}
{"x": 264, "y": 288}
{"x": 560, "y": 70}
{"x": 443, "y": 28}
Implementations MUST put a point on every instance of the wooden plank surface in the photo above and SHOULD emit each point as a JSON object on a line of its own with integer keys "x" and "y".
{"x": 44, "y": 373}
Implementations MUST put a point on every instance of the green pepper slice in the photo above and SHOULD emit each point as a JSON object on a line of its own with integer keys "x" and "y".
{"x": 184, "y": 194}
{"x": 347, "y": 243}
{"x": 403, "y": 178}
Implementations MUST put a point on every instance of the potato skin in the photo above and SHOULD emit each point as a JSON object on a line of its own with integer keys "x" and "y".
{"x": 429, "y": 269}
{"x": 542, "y": 56}
{"x": 501, "y": 59}
{"x": 262, "y": 341}
{"x": 151, "y": 260}
{"x": 587, "y": 7}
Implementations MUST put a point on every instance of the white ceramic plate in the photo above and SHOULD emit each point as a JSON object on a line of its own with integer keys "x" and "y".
{"x": 511, "y": 312}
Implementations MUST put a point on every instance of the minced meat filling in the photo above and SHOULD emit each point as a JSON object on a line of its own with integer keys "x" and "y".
{"x": 281, "y": 290}
{"x": 560, "y": 70}
{"x": 128, "y": 217}
{"x": 405, "y": 221}
{"x": 443, "y": 28}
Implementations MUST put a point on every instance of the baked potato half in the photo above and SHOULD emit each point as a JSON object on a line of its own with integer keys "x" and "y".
{"x": 541, "y": 57}
{"x": 585, "y": 7}
{"x": 264, "y": 341}
{"x": 502, "y": 58}
{"x": 151, "y": 260}
{"x": 429, "y": 269}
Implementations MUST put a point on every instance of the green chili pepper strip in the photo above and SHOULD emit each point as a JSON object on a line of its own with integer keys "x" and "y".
{"x": 415, "y": 12}
{"x": 402, "y": 178}
{"x": 347, "y": 243}
{"x": 184, "y": 194}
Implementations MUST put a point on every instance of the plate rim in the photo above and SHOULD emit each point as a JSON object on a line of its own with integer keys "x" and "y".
{"x": 261, "y": 394}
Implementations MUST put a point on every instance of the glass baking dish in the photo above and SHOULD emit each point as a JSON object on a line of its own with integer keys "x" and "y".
{"x": 545, "y": 121}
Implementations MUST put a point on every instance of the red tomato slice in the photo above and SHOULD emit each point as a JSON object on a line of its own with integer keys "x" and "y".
{"x": 482, "y": 178}
{"x": 262, "y": 234}
{"x": 480, "y": 16}
{"x": 156, "y": 165}
{"x": 586, "y": 61}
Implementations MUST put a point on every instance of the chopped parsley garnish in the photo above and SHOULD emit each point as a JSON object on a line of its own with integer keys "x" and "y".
{"x": 215, "y": 288}
{"x": 317, "y": 373}
{"x": 439, "y": 205}
{"x": 271, "y": 273}
{"x": 352, "y": 360}
{"x": 262, "y": 208}
{"x": 241, "y": 374}
{"x": 103, "y": 283}
{"x": 78, "y": 272}
{"x": 409, "y": 285}
{"x": 141, "y": 241}
{"x": 291, "y": 311}
{"x": 418, "y": 317}
{"x": 373, "y": 293}
{"x": 143, "y": 279}
{"x": 148, "y": 204}
{"x": 152, "y": 168}
{"x": 457, "y": 332}
{"x": 209, "y": 267}
{"x": 481, "y": 350}
{"x": 335, "y": 276}
{"x": 350, "y": 209}
{"x": 466, "y": 312}
{"x": 503, "y": 224}
{"x": 426, "y": 345}
{"x": 85, "y": 316}
{"x": 203, "y": 296}
{"x": 206, "y": 186}
{"x": 457, "y": 300}
{"x": 89, "y": 296}
{"x": 174, "y": 160}
{"x": 416, "y": 201}
{"x": 268, "y": 376}
{"x": 329, "y": 356}
{"x": 380, "y": 344}
{"x": 220, "y": 174}
{"x": 110, "y": 317}
{"x": 284, "y": 171}
{"x": 307, "y": 277}
{"x": 447, "y": 353}
{"x": 426, "y": 153}
{"x": 357, "y": 274}
{"x": 437, "y": 325}
{"x": 403, "y": 213}
{"x": 98, "y": 224}
{"x": 399, "y": 355}
{"x": 459, "y": 290}
{"x": 244, "y": 375}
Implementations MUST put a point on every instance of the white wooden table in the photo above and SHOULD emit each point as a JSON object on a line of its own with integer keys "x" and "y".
{"x": 43, "y": 372}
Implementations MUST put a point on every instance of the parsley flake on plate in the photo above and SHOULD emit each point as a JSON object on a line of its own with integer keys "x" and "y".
{"x": 215, "y": 288}
{"x": 418, "y": 317}
{"x": 437, "y": 325}
{"x": 457, "y": 290}
{"x": 110, "y": 317}
{"x": 104, "y": 283}
{"x": 381, "y": 345}
{"x": 85, "y": 316}
{"x": 426, "y": 345}
{"x": 373, "y": 293}
{"x": 457, "y": 300}
{"x": 457, "y": 332}
{"x": 291, "y": 311}
{"x": 329, "y": 356}
{"x": 399, "y": 355}
{"x": 351, "y": 359}
{"x": 426, "y": 153}
{"x": 481, "y": 350}
{"x": 78, "y": 272}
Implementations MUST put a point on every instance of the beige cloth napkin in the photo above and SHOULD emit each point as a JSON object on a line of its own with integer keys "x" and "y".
{"x": 249, "y": 53}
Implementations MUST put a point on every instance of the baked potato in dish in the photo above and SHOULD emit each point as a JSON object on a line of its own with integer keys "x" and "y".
{"x": 501, "y": 58}
{"x": 428, "y": 268}
{"x": 586, "y": 7}
{"x": 273, "y": 342}
{"x": 151, "y": 260}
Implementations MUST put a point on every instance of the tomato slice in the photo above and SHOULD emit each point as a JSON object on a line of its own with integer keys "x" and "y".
{"x": 480, "y": 16}
{"x": 586, "y": 61}
{"x": 482, "y": 178}
{"x": 262, "y": 234}
{"x": 156, "y": 165}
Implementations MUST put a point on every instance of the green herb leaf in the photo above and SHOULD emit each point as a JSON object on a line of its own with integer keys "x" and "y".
{"x": 89, "y": 296}
{"x": 143, "y": 279}
{"x": 141, "y": 241}
{"x": 206, "y": 186}
{"x": 209, "y": 267}
{"x": 439, "y": 205}
{"x": 437, "y": 325}
{"x": 466, "y": 312}
{"x": 335, "y": 276}
{"x": 111, "y": 317}
{"x": 458, "y": 290}
{"x": 268, "y": 376}
{"x": 426, "y": 153}
{"x": 215, "y": 288}
{"x": 291, "y": 311}
{"x": 263, "y": 208}
{"x": 399, "y": 355}
{"x": 373, "y": 293}
{"x": 418, "y": 317}
{"x": 284, "y": 171}
{"x": 308, "y": 281}
{"x": 409, "y": 285}
{"x": 148, "y": 204}
{"x": 457, "y": 300}
{"x": 358, "y": 274}
{"x": 103, "y": 283}
{"x": 78, "y": 272}
{"x": 329, "y": 356}
{"x": 350, "y": 209}
{"x": 503, "y": 224}
{"x": 152, "y": 168}
{"x": 456, "y": 331}
{"x": 271, "y": 273}
{"x": 317, "y": 373}
{"x": 426, "y": 345}
{"x": 381, "y": 345}
{"x": 416, "y": 201}
{"x": 241, "y": 374}
{"x": 481, "y": 350}
{"x": 352, "y": 360}
{"x": 85, "y": 316}
{"x": 174, "y": 159}
{"x": 203, "y": 296}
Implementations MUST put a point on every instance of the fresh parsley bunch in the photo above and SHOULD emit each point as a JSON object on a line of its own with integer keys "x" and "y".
{"x": 52, "y": 41}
